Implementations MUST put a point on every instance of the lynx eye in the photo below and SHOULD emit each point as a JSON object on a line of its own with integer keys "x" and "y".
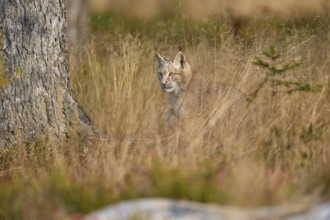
{"x": 170, "y": 74}
{"x": 160, "y": 75}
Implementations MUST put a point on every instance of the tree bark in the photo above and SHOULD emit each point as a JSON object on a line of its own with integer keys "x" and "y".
{"x": 36, "y": 98}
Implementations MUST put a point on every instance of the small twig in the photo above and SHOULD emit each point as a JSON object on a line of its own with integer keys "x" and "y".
{"x": 4, "y": 172}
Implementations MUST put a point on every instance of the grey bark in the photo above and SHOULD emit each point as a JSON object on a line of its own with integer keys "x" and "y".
{"x": 37, "y": 99}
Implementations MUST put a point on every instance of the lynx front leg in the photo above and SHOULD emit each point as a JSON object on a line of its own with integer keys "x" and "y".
{"x": 171, "y": 119}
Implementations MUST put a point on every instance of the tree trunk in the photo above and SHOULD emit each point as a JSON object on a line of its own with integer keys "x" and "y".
{"x": 35, "y": 94}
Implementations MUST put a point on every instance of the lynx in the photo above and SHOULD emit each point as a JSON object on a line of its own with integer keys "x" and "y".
{"x": 195, "y": 98}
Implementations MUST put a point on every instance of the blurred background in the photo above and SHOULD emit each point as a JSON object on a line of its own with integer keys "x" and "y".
{"x": 139, "y": 15}
{"x": 198, "y": 9}
{"x": 186, "y": 20}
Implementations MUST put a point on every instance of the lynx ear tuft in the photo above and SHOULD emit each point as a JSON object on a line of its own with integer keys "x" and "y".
{"x": 180, "y": 60}
{"x": 159, "y": 57}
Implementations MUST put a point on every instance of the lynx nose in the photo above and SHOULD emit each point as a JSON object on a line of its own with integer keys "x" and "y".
{"x": 165, "y": 85}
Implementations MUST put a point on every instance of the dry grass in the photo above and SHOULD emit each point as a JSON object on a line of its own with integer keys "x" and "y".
{"x": 122, "y": 95}
{"x": 283, "y": 158}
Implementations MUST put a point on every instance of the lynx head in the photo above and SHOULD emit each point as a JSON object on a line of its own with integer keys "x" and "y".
{"x": 173, "y": 75}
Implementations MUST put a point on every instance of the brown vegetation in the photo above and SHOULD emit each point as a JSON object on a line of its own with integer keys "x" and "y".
{"x": 286, "y": 157}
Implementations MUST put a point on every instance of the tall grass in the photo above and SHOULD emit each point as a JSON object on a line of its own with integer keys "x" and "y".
{"x": 284, "y": 157}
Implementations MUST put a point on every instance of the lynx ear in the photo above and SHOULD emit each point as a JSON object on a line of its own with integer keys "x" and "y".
{"x": 180, "y": 60}
{"x": 159, "y": 57}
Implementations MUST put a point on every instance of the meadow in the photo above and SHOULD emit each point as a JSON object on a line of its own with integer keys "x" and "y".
{"x": 284, "y": 159}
